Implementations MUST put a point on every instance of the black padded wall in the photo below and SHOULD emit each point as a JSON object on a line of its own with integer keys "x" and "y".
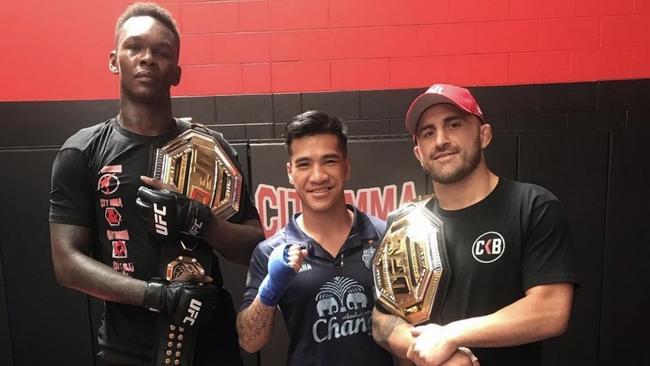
{"x": 571, "y": 165}
{"x": 48, "y": 324}
{"x": 5, "y": 336}
{"x": 501, "y": 155}
{"x": 626, "y": 283}
{"x": 271, "y": 159}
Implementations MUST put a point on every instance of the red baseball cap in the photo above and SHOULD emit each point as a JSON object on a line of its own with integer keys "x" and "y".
{"x": 441, "y": 93}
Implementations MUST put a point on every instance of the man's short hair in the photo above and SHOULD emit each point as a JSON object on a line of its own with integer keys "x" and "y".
{"x": 313, "y": 123}
{"x": 151, "y": 10}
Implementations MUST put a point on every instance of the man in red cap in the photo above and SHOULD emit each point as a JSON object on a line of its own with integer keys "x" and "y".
{"x": 507, "y": 242}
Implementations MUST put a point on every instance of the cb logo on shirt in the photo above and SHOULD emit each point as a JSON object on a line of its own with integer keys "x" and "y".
{"x": 488, "y": 247}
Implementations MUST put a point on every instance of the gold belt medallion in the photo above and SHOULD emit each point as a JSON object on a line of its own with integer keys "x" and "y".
{"x": 184, "y": 268}
{"x": 410, "y": 263}
{"x": 199, "y": 167}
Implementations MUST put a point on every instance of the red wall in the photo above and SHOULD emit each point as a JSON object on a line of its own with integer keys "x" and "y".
{"x": 58, "y": 50}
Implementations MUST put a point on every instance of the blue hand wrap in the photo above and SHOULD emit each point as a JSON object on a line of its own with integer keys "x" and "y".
{"x": 279, "y": 276}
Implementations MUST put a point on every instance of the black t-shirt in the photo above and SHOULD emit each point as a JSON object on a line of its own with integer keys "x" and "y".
{"x": 328, "y": 305}
{"x": 514, "y": 239}
{"x": 95, "y": 178}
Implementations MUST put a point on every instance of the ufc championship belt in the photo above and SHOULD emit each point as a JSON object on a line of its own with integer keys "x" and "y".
{"x": 410, "y": 267}
{"x": 199, "y": 167}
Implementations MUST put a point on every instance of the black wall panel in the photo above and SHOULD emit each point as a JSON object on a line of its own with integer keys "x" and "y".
{"x": 508, "y": 99}
{"x": 368, "y": 127}
{"x": 45, "y": 319}
{"x": 267, "y": 166}
{"x": 501, "y": 155}
{"x": 623, "y": 94}
{"x": 201, "y": 109}
{"x": 377, "y": 163}
{"x": 234, "y": 275}
{"x": 378, "y": 104}
{"x": 574, "y": 167}
{"x": 578, "y": 97}
{"x": 626, "y": 282}
{"x": 244, "y": 109}
{"x": 285, "y": 106}
{"x": 50, "y": 123}
{"x": 344, "y": 105}
{"x": 96, "y": 311}
{"x": 5, "y": 335}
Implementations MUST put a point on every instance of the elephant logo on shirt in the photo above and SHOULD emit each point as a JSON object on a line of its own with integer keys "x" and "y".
{"x": 356, "y": 300}
{"x": 327, "y": 306}
{"x": 340, "y": 295}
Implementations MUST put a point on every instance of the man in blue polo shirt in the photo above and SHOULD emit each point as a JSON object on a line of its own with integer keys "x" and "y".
{"x": 318, "y": 268}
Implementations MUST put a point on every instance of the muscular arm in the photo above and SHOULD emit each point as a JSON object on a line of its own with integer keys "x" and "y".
{"x": 394, "y": 334}
{"x": 235, "y": 242}
{"x": 74, "y": 268}
{"x": 254, "y": 325}
{"x": 543, "y": 313}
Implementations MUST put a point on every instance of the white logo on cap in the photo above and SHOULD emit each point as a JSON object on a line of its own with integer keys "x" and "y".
{"x": 438, "y": 89}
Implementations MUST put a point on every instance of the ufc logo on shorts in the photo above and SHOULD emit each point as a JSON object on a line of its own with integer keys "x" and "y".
{"x": 158, "y": 217}
{"x": 193, "y": 312}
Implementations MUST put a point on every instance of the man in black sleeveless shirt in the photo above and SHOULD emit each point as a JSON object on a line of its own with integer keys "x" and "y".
{"x": 95, "y": 180}
{"x": 508, "y": 245}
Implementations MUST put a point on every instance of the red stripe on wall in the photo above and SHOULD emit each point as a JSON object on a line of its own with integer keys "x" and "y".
{"x": 59, "y": 50}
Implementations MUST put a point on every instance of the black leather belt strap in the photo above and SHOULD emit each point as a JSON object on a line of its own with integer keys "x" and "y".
{"x": 176, "y": 340}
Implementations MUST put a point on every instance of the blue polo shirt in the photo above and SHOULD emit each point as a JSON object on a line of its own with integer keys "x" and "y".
{"x": 327, "y": 306}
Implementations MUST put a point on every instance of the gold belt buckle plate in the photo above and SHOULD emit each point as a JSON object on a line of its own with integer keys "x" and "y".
{"x": 408, "y": 265}
{"x": 184, "y": 268}
{"x": 199, "y": 167}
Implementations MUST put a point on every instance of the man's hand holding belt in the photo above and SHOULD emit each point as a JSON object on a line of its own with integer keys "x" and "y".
{"x": 188, "y": 298}
{"x": 171, "y": 215}
{"x": 185, "y": 303}
{"x": 284, "y": 263}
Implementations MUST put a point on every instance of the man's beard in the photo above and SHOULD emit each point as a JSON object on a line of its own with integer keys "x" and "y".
{"x": 467, "y": 166}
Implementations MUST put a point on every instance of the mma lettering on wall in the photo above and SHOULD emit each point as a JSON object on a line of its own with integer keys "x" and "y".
{"x": 276, "y": 204}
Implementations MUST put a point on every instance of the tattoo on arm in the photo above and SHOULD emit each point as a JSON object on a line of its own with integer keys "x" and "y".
{"x": 383, "y": 326}
{"x": 254, "y": 321}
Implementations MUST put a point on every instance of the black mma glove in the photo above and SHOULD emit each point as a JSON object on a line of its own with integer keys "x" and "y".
{"x": 172, "y": 215}
{"x": 187, "y": 304}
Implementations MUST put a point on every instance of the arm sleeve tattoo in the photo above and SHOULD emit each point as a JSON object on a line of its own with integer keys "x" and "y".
{"x": 383, "y": 326}
{"x": 252, "y": 324}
